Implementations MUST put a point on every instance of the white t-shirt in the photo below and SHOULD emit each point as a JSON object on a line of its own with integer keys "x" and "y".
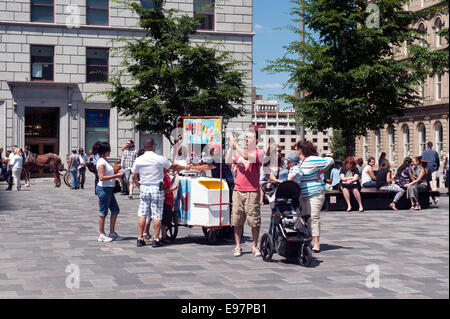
{"x": 16, "y": 162}
{"x": 109, "y": 170}
{"x": 150, "y": 168}
{"x": 365, "y": 177}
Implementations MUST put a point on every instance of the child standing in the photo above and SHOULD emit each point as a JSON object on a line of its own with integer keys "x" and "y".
{"x": 168, "y": 205}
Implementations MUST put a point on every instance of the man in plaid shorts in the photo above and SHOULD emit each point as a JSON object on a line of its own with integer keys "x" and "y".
{"x": 148, "y": 175}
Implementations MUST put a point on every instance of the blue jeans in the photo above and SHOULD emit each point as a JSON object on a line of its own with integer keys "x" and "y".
{"x": 370, "y": 184}
{"x": 82, "y": 171}
{"x": 74, "y": 179}
{"x": 107, "y": 200}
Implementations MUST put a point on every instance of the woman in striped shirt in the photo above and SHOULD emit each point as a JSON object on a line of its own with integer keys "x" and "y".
{"x": 312, "y": 186}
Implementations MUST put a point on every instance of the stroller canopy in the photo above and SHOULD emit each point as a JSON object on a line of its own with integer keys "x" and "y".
{"x": 288, "y": 190}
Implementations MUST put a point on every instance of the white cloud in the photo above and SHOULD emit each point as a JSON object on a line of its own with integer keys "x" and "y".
{"x": 269, "y": 86}
{"x": 258, "y": 26}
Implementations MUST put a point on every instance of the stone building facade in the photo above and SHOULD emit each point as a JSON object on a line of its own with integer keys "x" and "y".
{"x": 48, "y": 49}
{"x": 410, "y": 133}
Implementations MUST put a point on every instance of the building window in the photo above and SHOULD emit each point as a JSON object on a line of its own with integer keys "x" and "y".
{"x": 377, "y": 143}
{"x": 438, "y": 27}
{"x": 422, "y": 32}
{"x": 406, "y": 141}
{"x": 282, "y": 132}
{"x": 293, "y": 140}
{"x": 151, "y": 4}
{"x": 97, "y": 12}
{"x": 282, "y": 140}
{"x": 439, "y": 131}
{"x": 42, "y": 11}
{"x": 325, "y": 140}
{"x": 325, "y": 132}
{"x": 97, "y": 127}
{"x": 293, "y": 133}
{"x": 365, "y": 148}
{"x": 96, "y": 65}
{"x": 314, "y": 132}
{"x": 205, "y": 9}
{"x": 391, "y": 136}
{"x": 439, "y": 86}
{"x": 41, "y": 63}
{"x": 422, "y": 137}
{"x": 422, "y": 89}
{"x": 314, "y": 140}
{"x": 325, "y": 148}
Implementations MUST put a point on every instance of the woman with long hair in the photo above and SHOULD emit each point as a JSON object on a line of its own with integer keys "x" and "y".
{"x": 384, "y": 183}
{"x": 404, "y": 173}
{"x": 368, "y": 178}
{"x": 350, "y": 183}
{"x": 419, "y": 184}
{"x": 312, "y": 186}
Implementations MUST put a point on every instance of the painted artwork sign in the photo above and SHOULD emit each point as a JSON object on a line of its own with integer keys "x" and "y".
{"x": 202, "y": 131}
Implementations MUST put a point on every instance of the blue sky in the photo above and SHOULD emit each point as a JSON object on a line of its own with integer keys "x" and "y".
{"x": 268, "y": 45}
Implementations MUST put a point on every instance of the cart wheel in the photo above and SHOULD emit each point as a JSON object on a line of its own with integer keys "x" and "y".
{"x": 266, "y": 246}
{"x": 172, "y": 228}
{"x": 67, "y": 179}
{"x": 212, "y": 236}
{"x": 305, "y": 256}
{"x": 205, "y": 231}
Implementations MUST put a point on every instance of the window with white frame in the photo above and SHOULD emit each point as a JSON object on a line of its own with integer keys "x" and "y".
{"x": 391, "y": 136}
{"x": 438, "y": 27}
{"x": 439, "y": 86}
{"x": 205, "y": 8}
{"x": 377, "y": 143}
{"x": 439, "y": 131}
{"x": 422, "y": 32}
{"x": 422, "y": 137}
{"x": 406, "y": 141}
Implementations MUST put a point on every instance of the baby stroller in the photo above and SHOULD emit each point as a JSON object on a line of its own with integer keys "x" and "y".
{"x": 289, "y": 234}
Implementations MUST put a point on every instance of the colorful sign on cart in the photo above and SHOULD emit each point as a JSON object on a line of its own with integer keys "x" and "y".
{"x": 202, "y": 131}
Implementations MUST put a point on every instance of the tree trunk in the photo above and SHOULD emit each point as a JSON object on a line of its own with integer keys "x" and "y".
{"x": 349, "y": 143}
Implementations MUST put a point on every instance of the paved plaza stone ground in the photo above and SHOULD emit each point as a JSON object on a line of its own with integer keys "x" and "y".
{"x": 44, "y": 229}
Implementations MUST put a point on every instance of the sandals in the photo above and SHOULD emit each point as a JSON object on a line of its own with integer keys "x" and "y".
{"x": 392, "y": 205}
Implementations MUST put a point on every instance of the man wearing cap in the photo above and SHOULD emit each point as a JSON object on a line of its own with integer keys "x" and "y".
{"x": 433, "y": 163}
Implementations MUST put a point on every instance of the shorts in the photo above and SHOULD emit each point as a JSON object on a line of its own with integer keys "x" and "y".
{"x": 246, "y": 206}
{"x": 167, "y": 215}
{"x": 106, "y": 199}
{"x": 151, "y": 197}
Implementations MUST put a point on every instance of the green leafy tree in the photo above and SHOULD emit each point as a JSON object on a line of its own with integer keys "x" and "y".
{"x": 354, "y": 79}
{"x": 337, "y": 145}
{"x": 166, "y": 74}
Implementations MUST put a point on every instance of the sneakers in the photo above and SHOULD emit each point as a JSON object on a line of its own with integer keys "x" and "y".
{"x": 104, "y": 238}
{"x": 156, "y": 243}
{"x": 256, "y": 252}
{"x": 114, "y": 236}
{"x": 140, "y": 242}
{"x": 237, "y": 251}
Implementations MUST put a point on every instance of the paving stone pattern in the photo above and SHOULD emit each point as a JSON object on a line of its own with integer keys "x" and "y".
{"x": 44, "y": 229}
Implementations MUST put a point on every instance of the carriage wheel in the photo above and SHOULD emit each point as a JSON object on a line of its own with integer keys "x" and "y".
{"x": 205, "y": 231}
{"x": 267, "y": 247}
{"x": 305, "y": 256}
{"x": 67, "y": 179}
{"x": 172, "y": 228}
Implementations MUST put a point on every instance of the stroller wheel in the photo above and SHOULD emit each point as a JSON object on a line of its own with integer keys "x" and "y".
{"x": 266, "y": 246}
{"x": 305, "y": 256}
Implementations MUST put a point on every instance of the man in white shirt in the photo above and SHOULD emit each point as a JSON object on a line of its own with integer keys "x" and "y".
{"x": 9, "y": 167}
{"x": 148, "y": 175}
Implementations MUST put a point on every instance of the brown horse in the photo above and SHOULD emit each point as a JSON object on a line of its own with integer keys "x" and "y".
{"x": 49, "y": 160}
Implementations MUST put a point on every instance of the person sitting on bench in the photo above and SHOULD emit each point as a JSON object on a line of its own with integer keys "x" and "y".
{"x": 335, "y": 179}
{"x": 418, "y": 185}
{"x": 350, "y": 182}
{"x": 368, "y": 178}
{"x": 384, "y": 180}
{"x": 404, "y": 173}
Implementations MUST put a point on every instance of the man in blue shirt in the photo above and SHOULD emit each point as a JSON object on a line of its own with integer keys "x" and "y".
{"x": 433, "y": 163}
